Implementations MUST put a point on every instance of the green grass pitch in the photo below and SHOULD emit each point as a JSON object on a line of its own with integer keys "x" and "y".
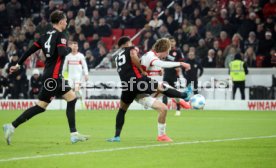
{"x": 202, "y": 139}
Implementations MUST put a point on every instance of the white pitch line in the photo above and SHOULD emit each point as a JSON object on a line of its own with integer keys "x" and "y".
{"x": 133, "y": 147}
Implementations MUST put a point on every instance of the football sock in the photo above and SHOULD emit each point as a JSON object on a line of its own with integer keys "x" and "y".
{"x": 161, "y": 129}
{"x": 120, "y": 120}
{"x": 165, "y": 100}
{"x": 70, "y": 113}
{"x": 177, "y": 104}
{"x": 28, "y": 114}
{"x": 171, "y": 92}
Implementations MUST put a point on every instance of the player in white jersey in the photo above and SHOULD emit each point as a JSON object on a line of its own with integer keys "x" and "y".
{"x": 75, "y": 68}
{"x": 151, "y": 63}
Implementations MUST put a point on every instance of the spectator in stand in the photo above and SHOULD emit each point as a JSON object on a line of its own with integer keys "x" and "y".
{"x": 81, "y": 19}
{"x": 223, "y": 40}
{"x": 209, "y": 39}
{"x": 18, "y": 80}
{"x": 104, "y": 30}
{"x": 89, "y": 59}
{"x": 103, "y": 9}
{"x": 269, "y": 24}
{"x": 185, "y": 50}
{"x": 112, "y": 19}
{"x": 3, "y": 58}
{"x": 171, "y": 24}
{"x": 219, "y": 59}
{"x": 4, "y": 21}
{"x": 94, "y": 42}
{"x": 214, "y": 26}
{"x": 273, "y": 56}
{"x": 88, "y": 29}
{"x": 269, "y": 8}
{"x": 147, "y": 41}
{"x": 200, "y": 27}
{"x": 3, "y": 82}
{"x": 139, "y": 19}
{"x": 250, "y": 57}
{"x": 236, "y": 43}
{"x": 189, "y": 8}
{"x": 99, "y": 53}
{"x": 201, "y": 50}
{"x": 228, "y": 27}
{"x": 193, "y": 36}
{"x": 43, "y": 27}
{"x": 74, "y": 6}
{"x": 266, "y": 45}
{"x": 210, "y": 60}
{"x": 36, "y": 83}
{"x": 237, "y": 17}
{"x": 91, "y": 7}
{"x": 125, "y": 19}
{"x": 247, "y": 25}
{"x": 50, "y": 8}
{"x": 216, "y": 46}
{"x": 86, "y": 47}
{"x": 14, "y": 12}
{"x": 178, "y": 15}
{"x": 229, "y": 56}
{"x": 95, "y": 16}
{"x": 252, "y": 41}
{"x": 155, "y": 23}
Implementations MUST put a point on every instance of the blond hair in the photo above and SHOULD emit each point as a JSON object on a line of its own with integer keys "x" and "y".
{"x": 162, "y": 45}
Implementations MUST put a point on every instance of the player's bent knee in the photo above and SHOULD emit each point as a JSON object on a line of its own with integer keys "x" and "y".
{"x": 69, "y": 96}
{"x": 42, "y": 104}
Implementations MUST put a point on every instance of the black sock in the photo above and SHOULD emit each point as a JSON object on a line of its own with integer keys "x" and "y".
{"x": 26, "y": 115}
{"x": 165, "y": 100}
{"x": 70, "y": 113}
{"x": 120, "y": 120}
{"x": 177, "y": 106}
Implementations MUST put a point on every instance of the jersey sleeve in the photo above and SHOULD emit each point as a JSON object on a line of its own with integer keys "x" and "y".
{"x": 61, "y": 43}
{"x": 65, "y": 66}
{"x": 84, "y": 64}
{"x": 147, "y": 60}
{"x": 36, "y": 46}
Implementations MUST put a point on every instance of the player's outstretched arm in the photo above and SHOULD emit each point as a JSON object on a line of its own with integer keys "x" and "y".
{"x": 29, "y": 52}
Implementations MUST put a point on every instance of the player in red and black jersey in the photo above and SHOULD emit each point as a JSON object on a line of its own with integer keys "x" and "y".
{"x": 171, "y": 75}
{"x": 54, "y": 47}
{"x": 134, "y": 81}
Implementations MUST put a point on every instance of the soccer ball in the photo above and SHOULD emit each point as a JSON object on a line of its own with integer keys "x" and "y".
{"x": 197, "y": 101}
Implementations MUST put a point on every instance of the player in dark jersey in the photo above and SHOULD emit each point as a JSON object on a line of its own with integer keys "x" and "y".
{"x": 134, "y": 81}
{"x": 172, "y": 74}
{"x": 54, "y": 46}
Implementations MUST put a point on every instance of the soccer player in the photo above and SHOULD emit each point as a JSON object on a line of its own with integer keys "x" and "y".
{"x": 134, "y": 81}
{"x": 75, "y": 65}
{"x": 53, "y": 45}
{"x": 152, "y": 64}
{"x": 172, "y": 74}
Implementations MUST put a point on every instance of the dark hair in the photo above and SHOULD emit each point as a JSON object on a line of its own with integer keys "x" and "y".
{"x": 123, "y": 40}
{"x": 57, "y": 16}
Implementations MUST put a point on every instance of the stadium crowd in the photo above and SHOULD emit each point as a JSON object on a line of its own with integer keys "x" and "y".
{"x": 216, "y": 30}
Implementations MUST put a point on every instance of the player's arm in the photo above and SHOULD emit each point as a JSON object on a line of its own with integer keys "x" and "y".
{"x": 84, "y": 66}
{"x": 135, "y": 59}
{"x": 65, "y": 65}
{"x": 63, "y": 50}
{"x": 169, "y": 64}
{"x": 29, "y": 52}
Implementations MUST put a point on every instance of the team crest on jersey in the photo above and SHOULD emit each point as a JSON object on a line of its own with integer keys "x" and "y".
{"x": 63, "y": 41}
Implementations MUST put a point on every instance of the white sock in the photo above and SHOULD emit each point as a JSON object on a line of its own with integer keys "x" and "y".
{"x": 74, "y": 133}
{"x": 161, "y": 129}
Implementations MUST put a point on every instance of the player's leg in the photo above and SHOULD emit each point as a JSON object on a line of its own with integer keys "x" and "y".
{"x": 162, "y": 110}
{"x": 148, "y": 101}
{"x": 173, "y": 93}
{"x": 25, "y": 116}
{"x": 126, "y": 99}
{"x": 71, "y": 99}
